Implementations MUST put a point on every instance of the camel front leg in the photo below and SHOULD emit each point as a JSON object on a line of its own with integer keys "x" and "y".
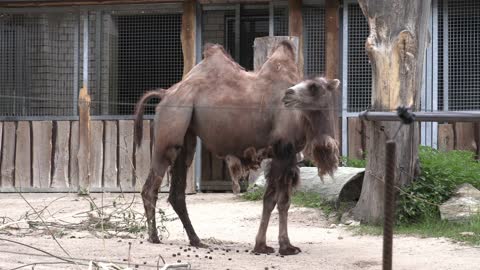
{"x": 283, "y": 204}
{"x": 269, "y": 202}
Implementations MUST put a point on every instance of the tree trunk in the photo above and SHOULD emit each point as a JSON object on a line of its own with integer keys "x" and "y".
{"x": 396, "y": 48}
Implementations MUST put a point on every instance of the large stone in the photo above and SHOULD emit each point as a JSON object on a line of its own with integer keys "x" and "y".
{"x": 464, "y": 204}
{"x": 345, "y": 186}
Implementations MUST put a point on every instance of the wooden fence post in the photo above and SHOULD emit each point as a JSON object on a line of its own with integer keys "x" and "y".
{"x": 188, "y": 47}
{"x": 84, "y": 140}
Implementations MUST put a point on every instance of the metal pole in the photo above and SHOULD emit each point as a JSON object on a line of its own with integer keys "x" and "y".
{"x": 85, "y": 50}
{"x": 76, "y": 64}
{"x": 237, "y": 33}
{"x": 198, "y": 56}
{"x": 466, "y": 116}
{"x": 270, "y": 19}
{"x": 389, "y": 204}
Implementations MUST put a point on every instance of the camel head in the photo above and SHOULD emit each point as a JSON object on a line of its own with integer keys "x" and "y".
{"x": 315, "y": 99}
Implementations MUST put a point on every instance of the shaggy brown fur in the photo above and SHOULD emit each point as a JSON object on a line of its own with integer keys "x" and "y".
{"x": 243, "y": 117}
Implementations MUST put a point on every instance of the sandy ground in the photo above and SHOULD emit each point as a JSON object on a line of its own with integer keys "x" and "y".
{"x": 228, "y": 225}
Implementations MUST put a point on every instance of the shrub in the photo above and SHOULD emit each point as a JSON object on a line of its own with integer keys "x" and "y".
{"x": 351, "y": 162}
{"x": 441, "y": 173}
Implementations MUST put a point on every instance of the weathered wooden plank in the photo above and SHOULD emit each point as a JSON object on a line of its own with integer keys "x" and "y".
{"x": 8, "y": 154}
{"x": 1, "y": 149}
{"x": 332, "y": 53}
{"x": 188, "y": 35}
{"x": 465, "y": 137}
{"x": 96, "y": 154}
{"x": 142, "y": 157}
{"x": 217, "y": 168}
{"x": 84, "y": 141}
{"x": 295, "y": 28}
{"x": 74, "y": 140}
{"x": 23, "y": 155}
{"x": 355, "y": 149}
{"x": 110, "y": 171}
{"x": 125, "y": 153}
{"x": 61, "y": 155}
{"x": 477, "y": 140}
{"x": 188, "y": 38}
{"x": 445, "y": 137}
{"x": 206, "y": 165}
{"x": 42, "y": 153}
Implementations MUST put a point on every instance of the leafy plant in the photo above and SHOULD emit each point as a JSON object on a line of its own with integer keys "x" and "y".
{"x": 351, "y": 162}
{"x": 441, "y": 173}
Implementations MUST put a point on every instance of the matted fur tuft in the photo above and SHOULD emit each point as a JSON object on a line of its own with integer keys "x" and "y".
{"x": 283, "y": 167}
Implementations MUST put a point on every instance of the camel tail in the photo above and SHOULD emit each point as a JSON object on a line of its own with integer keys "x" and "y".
{"x": 138, "y": 126}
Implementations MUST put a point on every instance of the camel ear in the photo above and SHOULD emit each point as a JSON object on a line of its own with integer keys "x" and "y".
{"x": 333, "y": 85}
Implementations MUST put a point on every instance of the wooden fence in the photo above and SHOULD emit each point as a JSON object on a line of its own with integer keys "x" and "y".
{"x": 42, "y": 156}
{"x": 451, "y": 136}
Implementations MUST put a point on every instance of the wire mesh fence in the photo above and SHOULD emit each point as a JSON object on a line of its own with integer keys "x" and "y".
{"x": 37, "y": 61}
{"x": 129, "y": 52}
{"x": 463, "y": 55}
{"x": 314, "y": 40}
{"x": 359, "y": 77}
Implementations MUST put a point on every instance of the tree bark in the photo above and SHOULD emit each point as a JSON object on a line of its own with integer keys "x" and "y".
{"x": 396, "y": 48}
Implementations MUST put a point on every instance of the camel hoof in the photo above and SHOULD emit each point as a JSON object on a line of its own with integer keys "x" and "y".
{"x": 264, "y": 249}
{"x": 154, "y": 239}
{"x": 289, "y": 250}
{"x": 198, "y": 244}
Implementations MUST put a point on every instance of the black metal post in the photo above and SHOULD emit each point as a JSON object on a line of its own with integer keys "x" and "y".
{"x": 389, "y": 203}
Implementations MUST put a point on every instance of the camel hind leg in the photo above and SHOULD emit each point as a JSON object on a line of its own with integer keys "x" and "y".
{"x": 168, "y": 141}
{"x": 150, "y": 194}
{"x": 179, "y": 183}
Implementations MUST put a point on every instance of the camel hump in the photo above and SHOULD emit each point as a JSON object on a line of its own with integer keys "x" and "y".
{"x": 210, "y": 49}
{"x": 287, "y": 44}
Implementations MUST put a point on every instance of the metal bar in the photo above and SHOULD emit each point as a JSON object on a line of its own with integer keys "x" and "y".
{"x": 131, "y": 8}
{"x": 389, "y": 204}
{"x": 73, "y": 118}
{"x": 270, "y": 19}
{"x": 344, "y": 80}
{"x": 428, "y": 89}
{"x": 237, "y": 33}
{"x": 76, "y": 63}
{"x": 198, "y": 56}
{"x": 445, "y": 56}
{"x": 85, "y": 50}
{"x": 214, "y": 7}
{"x": 434, "y": 70}
{"x": 98, "y": 59}
{"x": 69, "y": 190}
{"x": 466, "y": 116}
{"x": 423, "y": 103}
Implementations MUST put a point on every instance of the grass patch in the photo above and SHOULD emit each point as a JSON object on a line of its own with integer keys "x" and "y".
{"x": 431, "y": 228}
{"x": 299, "y": 198}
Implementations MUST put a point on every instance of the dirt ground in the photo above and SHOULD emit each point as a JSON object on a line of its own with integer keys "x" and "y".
{"x": 228, "y": 225}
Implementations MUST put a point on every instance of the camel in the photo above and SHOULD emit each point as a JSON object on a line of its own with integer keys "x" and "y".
{"x": 243, "y": 117}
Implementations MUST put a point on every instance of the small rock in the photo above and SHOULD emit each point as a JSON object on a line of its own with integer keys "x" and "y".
{"x": 332, "y": 226}
{"x": 464, "y": 204}
{"x": 467, "y": 234}
{"x": 354, "y": 223}
{"x": 339, "y": 238}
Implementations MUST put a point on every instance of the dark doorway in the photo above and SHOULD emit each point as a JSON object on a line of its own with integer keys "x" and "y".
{"x": 149, "y": 56}
{"x": 253, "y": 24}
